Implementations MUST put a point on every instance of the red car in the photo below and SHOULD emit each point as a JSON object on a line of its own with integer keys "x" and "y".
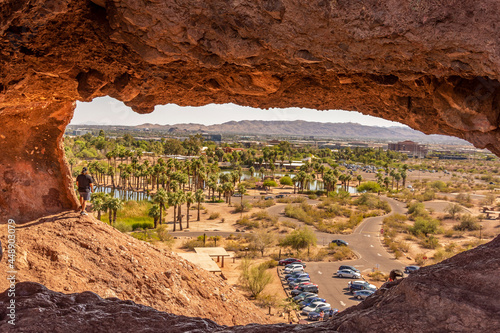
{"x": 288, "y": 261}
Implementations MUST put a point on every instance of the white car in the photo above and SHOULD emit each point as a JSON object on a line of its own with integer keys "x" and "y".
{"x": 314, "y": 306}
{"x": 348, "y": 274}
{"x": 294, "y": 269}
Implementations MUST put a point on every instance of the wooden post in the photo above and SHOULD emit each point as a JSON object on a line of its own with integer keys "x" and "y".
{"x": 222, "y": 265}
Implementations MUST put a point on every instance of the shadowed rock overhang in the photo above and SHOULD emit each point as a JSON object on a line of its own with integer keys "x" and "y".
{"x": 433, "y": 65}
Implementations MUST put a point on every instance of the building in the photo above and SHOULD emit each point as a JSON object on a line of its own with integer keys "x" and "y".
{"x": 412, "y": 149}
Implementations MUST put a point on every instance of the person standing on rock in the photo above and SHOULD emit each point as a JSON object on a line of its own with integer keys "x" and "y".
{"x": 85, "y": 187}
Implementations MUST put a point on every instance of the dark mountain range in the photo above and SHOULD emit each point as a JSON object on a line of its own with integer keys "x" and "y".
{"x": 299, "y": 128}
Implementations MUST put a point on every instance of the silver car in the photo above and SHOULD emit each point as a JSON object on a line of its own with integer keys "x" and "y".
{"x": 348, "y": 274}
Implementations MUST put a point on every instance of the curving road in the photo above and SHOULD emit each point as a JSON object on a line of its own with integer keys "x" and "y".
{"x": 365, "y": 241}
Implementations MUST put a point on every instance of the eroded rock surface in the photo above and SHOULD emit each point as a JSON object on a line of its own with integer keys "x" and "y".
{"x": 71, "y": 253}
{"x": 460, "y": 294}
{"x": 433, "y": 65}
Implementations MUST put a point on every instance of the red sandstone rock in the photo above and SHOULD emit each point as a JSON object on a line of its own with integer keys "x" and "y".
{"x": 433, "y": 65}
{"x": 460, "y": 294}
{"x": 72, "y": 253}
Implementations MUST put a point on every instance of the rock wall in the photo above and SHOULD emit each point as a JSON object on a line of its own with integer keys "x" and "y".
{"x": 433, "y": 65}
{"x": 71, "y": 253}
{"x": 457, "y": 295}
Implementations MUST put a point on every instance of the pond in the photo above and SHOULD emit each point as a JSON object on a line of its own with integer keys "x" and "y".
{"x": 123, "y": 194}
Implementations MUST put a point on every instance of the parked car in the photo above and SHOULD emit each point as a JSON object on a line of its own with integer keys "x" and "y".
{"x": 411, "y": 269}
{"x": 351, "y": 268}
{"x": 298, "y": 281}
{"x": 340, "y": 242}
{"x": 237, "y": 194}
{"x": 294, "y": 269}
{"x": 360, "y": 285}
{"x": 296, "y": 263}
{"x": 319, "y": 305}
{"x": 296, "y": 276}
{"x": 348, "y": 274}
{"x": 280, "y": 196}
{"x": 287, "y": 261}
{"x": 311, "y": 299}
{"x": 312, "y": 288}
{"x": 303, "y": 295}
{"x": 302, "y": 284}
{"x": 362, "y": 294}
{"x": 268, "y": 198}
{"x": 316, "y": 314}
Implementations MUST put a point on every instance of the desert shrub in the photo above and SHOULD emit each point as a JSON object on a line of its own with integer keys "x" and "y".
{"x": 467, "y": 223}
{"x": 123, "y": 227}
{"x": 439, "y": 185}
{"x": 163, "y": 235}
{"x": 248, "y": 223}
{"x": 245, "y": 207}
{"x": 424, "y": 226}
{"x": 430, "y": 242}
{"x": 312, "y": 196}
{"x": 378, "y": 276}
{"x": 417, "y": 209}
{"x": 192, "y": 243}
{"x": 289, "y": 224}
{"x": 142, "y": 225}
{"x": 214, "y": 215}
{"x": 145, "y": 235}
{"x": 264, "y": 203}
{"x": 269, "y": 264}
{"x": 232, "y": 245}
{"x": 341, "y": 252}
{"x": 419, "y": 259}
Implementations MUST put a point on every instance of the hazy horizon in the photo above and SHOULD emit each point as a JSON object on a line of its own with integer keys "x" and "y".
{"x": 109, "y": 111}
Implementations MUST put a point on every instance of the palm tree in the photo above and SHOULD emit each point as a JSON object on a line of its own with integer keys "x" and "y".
{"x": 172, "y": 201}
{"x": 403, "y": 176}
{"x": 199, "y": 197}
{"x": 181, "y": 198}
{"x": 190, "y": 199}
{"x": 360, "y": 179}
{"x": 397, "y": 177}
{"x": 155, "y": 213}
{"x": 161, "y": 198}
{"x": 251, "y": 170}
{"x": 115, "y": 204}
{"x": 99, "y": 203}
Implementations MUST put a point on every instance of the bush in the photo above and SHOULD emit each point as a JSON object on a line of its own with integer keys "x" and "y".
{"x": 467, "y": 223}
{"x": 192, "y": 243}
{"x": 163, "y": 235}
{"x": 123, "y": 227}
{"x": 430, "y": 242}
{"x": 417, "y": 209}
{"x": 142, "y": 225}
{"x": 146, "y": 235}
{"x": 264, "y": 203}
{"x": 378, "y": 276}
{"x": 245, "y": 207}
{"x": 246, "y": 222}
{"x": 269, "y": 264}
{"x": 214, "y": 215}
{"x": 424, "y": 227}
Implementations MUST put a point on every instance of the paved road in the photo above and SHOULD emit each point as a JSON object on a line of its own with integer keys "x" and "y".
{"x": 365, "y": 241}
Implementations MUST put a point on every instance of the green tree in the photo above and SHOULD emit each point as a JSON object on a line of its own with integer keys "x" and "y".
{"x": 161, "y": 198}
{"x": 286, "y": 181}
{"x": 190, "y": 199}
{"x": 154, "y": 213}
{"x": 262, "y": 239}
{"x": 199, "y": 198}
{"x": 453, "y": 209}
{"x": 301, "y": 238}
{"x": 99, "y": 201}
{"x": 114, "y": 205}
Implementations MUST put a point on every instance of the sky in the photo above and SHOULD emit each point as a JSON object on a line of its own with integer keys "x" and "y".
{"x": 109, "y": 111}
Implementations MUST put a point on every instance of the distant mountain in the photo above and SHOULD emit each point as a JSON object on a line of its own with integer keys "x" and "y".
{"x": 352, "y": 131}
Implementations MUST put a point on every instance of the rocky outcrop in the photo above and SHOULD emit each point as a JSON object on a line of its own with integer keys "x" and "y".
{"x": 457, "y": 295}
{"x": 71, "y": 253}
{"x": 433, "y": 65}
